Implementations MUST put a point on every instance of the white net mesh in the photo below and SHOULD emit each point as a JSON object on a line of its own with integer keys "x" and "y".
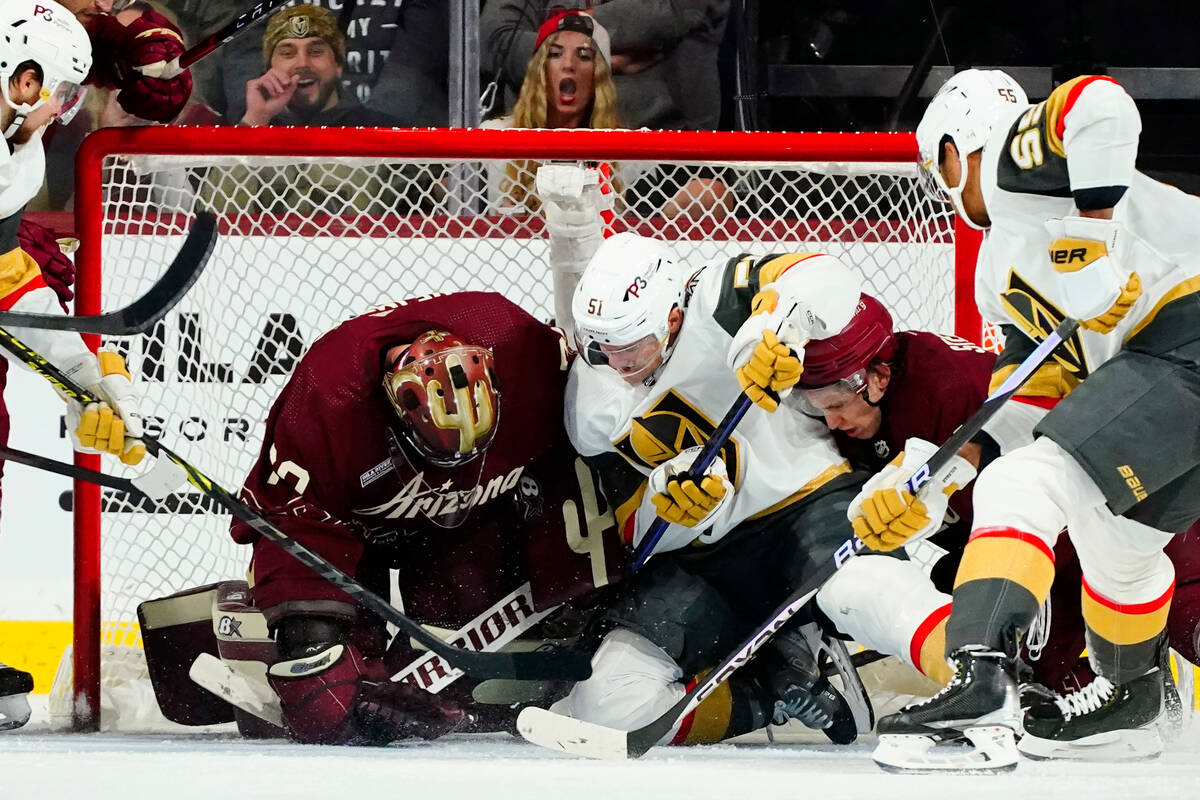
{"x": 309, "y": 242}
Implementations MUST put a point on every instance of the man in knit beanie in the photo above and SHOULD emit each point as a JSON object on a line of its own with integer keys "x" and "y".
{"x": 304, "y": 53}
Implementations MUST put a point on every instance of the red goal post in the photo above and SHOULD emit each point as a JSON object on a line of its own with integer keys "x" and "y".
{"x": 319, "y": 224}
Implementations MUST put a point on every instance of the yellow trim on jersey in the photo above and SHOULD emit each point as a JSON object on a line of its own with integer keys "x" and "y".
{"x": 17, "y": 268}
{"x": 805, "y": 490}
{"x": 1190, "y": 286}
{"x": 1050, "y": 380}
{"x": 1121, "y": 628}
{"x": 1007, "y": 558}
{"x": 770, "y": 271}
{"x": 933, "y": 655}
{"x": 711, "y": 718}
{"x": 1055, "y": 104}
{"x": 624, "y": 511}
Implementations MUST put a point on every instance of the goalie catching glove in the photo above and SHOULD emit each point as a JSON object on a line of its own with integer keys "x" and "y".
{"x": 113, "y": 425}
{"x": 693, "y": 501}
{"x": 767, "y": 354}
{"x": 885, "y": 515}
{"x": 1097, "y": 288}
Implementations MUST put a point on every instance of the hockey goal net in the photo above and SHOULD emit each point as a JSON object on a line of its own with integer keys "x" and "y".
{"x": 319, "y": 225}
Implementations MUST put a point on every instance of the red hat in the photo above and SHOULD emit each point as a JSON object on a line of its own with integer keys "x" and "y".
{"x": 868, "y": 336}
{"x": 580, "y": 23}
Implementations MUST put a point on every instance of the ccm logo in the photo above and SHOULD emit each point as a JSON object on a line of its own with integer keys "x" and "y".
{"x": 1067, "y": 256}
{"x": 1133, "y": 482}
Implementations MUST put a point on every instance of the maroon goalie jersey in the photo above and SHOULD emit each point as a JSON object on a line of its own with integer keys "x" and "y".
{"x": 335, "y": 474}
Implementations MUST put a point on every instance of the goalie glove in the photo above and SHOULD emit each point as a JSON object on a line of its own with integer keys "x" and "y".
{"x": 767, "y": 352}
{"x": 885, "y": 515}
{"x": 337, "y": 696}
{"x": 691, "y": 501}
{"x": 113, "y": 425}
{"x": 1097, "y": 288}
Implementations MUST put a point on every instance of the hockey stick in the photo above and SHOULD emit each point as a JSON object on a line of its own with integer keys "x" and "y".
{"x": 166, "y": 70}
{"x": 139, "y": 315}
{"x": 558, "y": 665}
{"x": 577, "y": 737}
{"x": 70, "y": 470}
{"x": 704, "y": 459}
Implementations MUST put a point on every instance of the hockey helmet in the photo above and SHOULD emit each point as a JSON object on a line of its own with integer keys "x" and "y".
{"x": 445, "y": 393}
{"x": 965, "y": 109}
{"x": 845, "y": 357}
{"x": 49, "y": 35}
{"x": 623, "y": 303}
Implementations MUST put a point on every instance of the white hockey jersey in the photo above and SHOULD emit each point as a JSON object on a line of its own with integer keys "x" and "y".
{"x": 21, "y": 174}
{"x": 774, "y": 459}
{"x": 1083, "y": 137}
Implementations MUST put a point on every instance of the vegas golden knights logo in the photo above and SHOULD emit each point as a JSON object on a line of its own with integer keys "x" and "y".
{"x": 1037, "y": 317}
{"x": 669, "y": 427}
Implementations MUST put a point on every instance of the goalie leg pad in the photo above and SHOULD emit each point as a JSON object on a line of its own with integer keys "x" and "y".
{"x": 175, "y": 630}
{"x": 245, "y": 644}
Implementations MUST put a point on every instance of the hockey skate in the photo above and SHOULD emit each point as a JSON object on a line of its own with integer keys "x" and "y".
{"x": 1100, "y": 722}
{"x": 968, "y": 726}
{"x": 791, "y": 667}
{"x": 15, "y": 686}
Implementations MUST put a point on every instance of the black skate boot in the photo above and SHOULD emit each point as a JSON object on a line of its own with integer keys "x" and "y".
{"x": 979, "y": 705}
{"x": 790, "y": 670}
{"x": 15, "y": 686}
{"x": 1101, "y": 721}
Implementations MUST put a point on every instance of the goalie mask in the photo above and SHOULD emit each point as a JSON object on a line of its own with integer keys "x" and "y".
{"x": 445, "y": 393}
{"x": 50, "y": 36}
{"x": 622, "y": 306}
{"x": 838, "y": 365}
{"x": 965, "y": 109}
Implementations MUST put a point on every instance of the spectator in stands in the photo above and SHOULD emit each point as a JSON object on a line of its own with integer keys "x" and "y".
{"x": 664, "y": 55}
{"x": 568, "y": 84}
{"x": 395, "y": 62}
{"x": 305, "y": 55}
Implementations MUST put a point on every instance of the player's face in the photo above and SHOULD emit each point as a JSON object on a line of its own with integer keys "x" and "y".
{"x": 315, "y": 66}
{"x": 84, "y": 10}
{"x": 635, "y": 362}
{"x": 972, "y": 193}
{"x": 570, "y": 74}
{"x": 847, "y": 410}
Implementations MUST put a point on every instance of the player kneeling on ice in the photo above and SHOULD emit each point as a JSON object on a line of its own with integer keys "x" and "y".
{"x": 1075, "y": 231}
{"x": 424, "y": 437}
{"x": 44, "y": 57}
{"x": 646, "y": 390}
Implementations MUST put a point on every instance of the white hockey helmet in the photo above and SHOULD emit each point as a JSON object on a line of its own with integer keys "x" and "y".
{"x": 48, "y": 34}
{"x": 965, "y": 109}
{"x": 623, "y": 303}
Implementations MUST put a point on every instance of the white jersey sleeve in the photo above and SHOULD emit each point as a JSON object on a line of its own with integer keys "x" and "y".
{"x": 1100, "y": 132}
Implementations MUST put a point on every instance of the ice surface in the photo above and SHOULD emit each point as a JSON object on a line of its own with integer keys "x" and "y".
{"x": 38, "y": 764}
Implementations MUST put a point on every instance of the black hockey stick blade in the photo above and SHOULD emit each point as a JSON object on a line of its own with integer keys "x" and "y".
{"x": 139, "y": 315}
{"x": 547, "y": 665}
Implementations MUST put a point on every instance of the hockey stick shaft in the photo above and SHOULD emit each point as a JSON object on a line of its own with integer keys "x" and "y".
{"x": 602, "y": 742}
{"x": 558, "y": 665}
{"x": 704, "y": 459}
{"x": 227, "y": 32}
{"x": 69, "y": 470}
{"x": 139, "y": 315}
